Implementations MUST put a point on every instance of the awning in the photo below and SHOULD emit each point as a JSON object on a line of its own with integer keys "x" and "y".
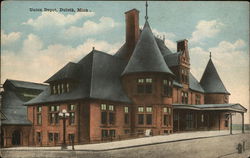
{"x": 206, "y": 107}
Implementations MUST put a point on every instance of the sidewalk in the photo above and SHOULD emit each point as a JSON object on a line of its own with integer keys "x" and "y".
{"x": 137, "y": 142}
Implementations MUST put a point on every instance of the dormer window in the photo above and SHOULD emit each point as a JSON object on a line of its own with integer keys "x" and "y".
{"x": 67, "y": 87}
{"x": 60, "y": 88}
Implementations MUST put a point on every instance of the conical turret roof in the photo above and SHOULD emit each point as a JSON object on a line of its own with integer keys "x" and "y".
{"x": 210, "y": 81}
{"x": 146, "y": 56}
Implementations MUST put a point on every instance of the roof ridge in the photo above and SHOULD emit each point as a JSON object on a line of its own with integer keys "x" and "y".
{"x": 43, "y": 84}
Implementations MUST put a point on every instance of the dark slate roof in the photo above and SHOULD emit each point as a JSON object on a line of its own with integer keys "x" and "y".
{"x": 146, "y": 56}
{"x": 121, "y": 53}
{"x": 13, "y": 109}
{"x": 172, "y": 59}
{"x": 67, "y": 72}
{"x": 177, "y": 84}
{"x": 163, "y": 48}
{"x": 24, "y": 84}
{"x": 211, "y": 81}
{"x": 194, "y": 84}
{"x": 228, "y": 107}
{"x": 99, "y": 78}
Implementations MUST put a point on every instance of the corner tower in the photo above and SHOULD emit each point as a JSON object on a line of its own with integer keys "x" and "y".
{"x": 215, "y": 91}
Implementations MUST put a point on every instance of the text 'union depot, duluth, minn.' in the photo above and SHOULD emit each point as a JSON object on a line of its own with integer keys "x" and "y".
{"x": 59, "y": 10}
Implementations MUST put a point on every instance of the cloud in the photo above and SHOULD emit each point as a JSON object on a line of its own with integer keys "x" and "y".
{"x": 205, "y": 29}
{"x": 90, "y": 27}
{"x": 36, "y": 63}
{"x": 56, "y": 19}
{"x": 168, "y": 38}
{"x": 169, "y": 35}
{"x": 7, "y": 39}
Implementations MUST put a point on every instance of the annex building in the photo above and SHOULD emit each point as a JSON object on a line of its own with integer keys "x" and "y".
{"x": 111, "y": 97}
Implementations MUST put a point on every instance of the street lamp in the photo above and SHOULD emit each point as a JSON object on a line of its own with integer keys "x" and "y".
{"x": 64, "y": 115}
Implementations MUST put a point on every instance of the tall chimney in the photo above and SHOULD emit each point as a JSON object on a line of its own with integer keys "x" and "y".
{"x": 132, "y": 30}
{"x": 182, "y": 45}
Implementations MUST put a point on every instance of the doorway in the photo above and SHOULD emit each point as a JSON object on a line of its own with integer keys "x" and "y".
{"x": 16, "y": 138}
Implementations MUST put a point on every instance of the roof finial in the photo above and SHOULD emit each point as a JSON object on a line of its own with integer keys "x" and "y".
{"x": 210, "y": 55}
{"x": 146, "y": 17}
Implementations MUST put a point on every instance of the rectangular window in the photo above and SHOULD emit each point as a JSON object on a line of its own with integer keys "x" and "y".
{"x": 140, "y": 88}
{"x": 165, "y": 109}
{"x": 72, "y": 109}
{"x": 50, "y": 137}
{"x": 169, "y": 111}
{"x": 197, "y": 99}
{"x": 71, "y": 137}
{"x": 126, "y": 119}
{"x": 126, "y": 109}
{"x": 39, "y": 119}
{"x": 149, "y": 119}
{"x": 103, "y": 107}
{"x": 140, "y": 109}
{"x": 167, "y": 87}
{"x": 56, "y": 137}
{"x": 54, "y": 114}
{"x": 148, "y": 88}
{"x": 111, "y": 118}
{"x": 184, "y": 97}
{"x": 104, "y": 118}
{"x": 144, "y": 85}
{"x": 39, "y": 115}
{"x": 184, "y": 75}
{"x": 140, "y": 80}
{"x": 165, "y": 120}
{"x": 148, "y": 109}
{"x": 39, "y": 137}
{"x": 104, "y": 133}
{"x": 111, "y": 107}
{"x": 141, "y": 119}
{"x": 71, "y": 118}
{"x": 189, "y": 120}
{"x": 112, "y": 133}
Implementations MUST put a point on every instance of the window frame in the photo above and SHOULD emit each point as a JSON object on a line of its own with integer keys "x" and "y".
{"x": 53, "y": 111}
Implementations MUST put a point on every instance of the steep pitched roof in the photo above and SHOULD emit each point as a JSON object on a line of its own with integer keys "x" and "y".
{"x": 211, "y": 81}
{"x": 163, "y": 48}
{"x": 121, "y": 53}
{"x": 172, "y": 59}
{"x": 194, "y": 84}
{"x": 67, "y": 72}
{"x": 99, "y": 78}
{"x": 12, "y": 102}
{"x": 25, "y": 84}
{"x": 146, "y": 56}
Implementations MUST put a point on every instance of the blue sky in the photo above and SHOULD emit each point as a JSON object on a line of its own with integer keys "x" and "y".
{"x": 34, "y": 45}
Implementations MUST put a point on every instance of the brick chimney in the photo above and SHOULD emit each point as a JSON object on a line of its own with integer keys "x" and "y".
{"x": 182, "y": 45}
{"x": 132, "y": 30}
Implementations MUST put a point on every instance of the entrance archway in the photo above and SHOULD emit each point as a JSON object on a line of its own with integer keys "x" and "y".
{"x": 16, "y": 137}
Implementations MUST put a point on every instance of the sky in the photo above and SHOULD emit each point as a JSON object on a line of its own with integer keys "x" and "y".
{"x": 35, "y": 45}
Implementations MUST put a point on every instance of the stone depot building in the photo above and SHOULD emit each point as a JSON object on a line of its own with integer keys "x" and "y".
{"x": 111, "y": 97}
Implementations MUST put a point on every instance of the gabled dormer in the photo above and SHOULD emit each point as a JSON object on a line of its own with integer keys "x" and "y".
{"x": 64, "y": 80}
